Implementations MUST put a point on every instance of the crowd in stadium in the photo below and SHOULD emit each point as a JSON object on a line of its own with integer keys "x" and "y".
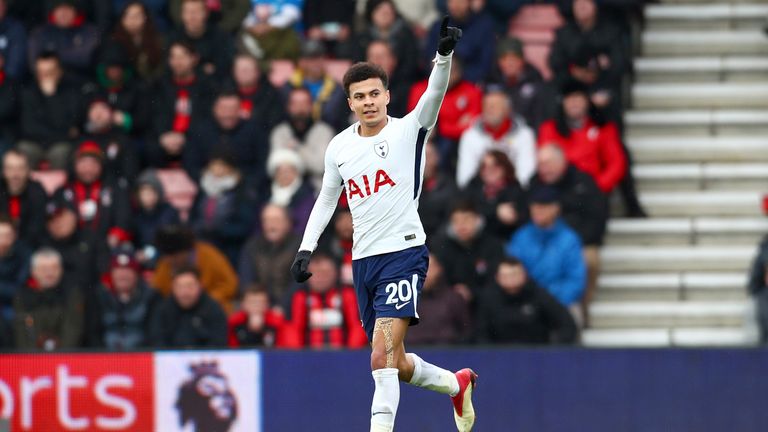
{"x": 128, "y": 99}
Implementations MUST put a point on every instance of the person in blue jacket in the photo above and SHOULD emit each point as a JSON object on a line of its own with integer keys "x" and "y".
{"x": 549, "y": 249}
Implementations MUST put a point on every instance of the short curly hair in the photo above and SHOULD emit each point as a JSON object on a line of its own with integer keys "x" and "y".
{"x": 362, "y": 71}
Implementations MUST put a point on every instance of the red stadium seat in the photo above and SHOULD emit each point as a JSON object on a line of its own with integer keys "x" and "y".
{"x": 50, "y": 179}
{"x": 537, "y": 16}
{"x": 538, "y": 56}
{"x": 534, "y": 36}
{"x": 337, "y": 68}
{"x": 280, "y": 71}
{"x": 180, "y": 190}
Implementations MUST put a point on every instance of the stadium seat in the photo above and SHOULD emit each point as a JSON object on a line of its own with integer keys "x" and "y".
{"x": 337, "y": 68}
{"x": 280, "y": 71}
{"x": 50, "y": 179}
{"x": 537, "y": 16}
{"x": 538, "y": 56}
{"x": 534, "y": 36}
{"x": 180, "y": 190}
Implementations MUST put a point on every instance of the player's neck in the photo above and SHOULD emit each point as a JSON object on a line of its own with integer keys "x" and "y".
{"x": 369, "y": 131}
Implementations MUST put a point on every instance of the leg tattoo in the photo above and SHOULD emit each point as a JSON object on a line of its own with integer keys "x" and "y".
{"x": 384, "y": 326}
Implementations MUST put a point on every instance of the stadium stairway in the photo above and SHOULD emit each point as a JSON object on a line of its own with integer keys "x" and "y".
{"x": 698, "y": 130}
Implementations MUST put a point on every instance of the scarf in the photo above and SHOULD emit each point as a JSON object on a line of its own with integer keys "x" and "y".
{"x": 281, "y": 195}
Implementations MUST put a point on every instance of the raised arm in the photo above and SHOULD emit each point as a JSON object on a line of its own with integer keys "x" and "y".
{"x": 429, "y": 105}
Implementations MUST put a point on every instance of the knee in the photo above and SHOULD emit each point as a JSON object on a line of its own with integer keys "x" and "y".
{"x": 379, "y": 358}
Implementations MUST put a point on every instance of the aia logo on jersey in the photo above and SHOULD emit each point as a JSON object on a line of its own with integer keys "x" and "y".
{"x": 381, "y": 149}
{"x": 369, "y": 186}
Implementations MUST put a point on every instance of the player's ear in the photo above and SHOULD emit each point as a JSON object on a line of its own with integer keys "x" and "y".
{"x": 349, "y": 103}
{"x": 387, "y": 97}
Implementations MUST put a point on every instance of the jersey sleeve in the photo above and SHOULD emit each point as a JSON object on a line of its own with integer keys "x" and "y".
{"x": 429, "y": 104}
{"x": 326, "y": 202}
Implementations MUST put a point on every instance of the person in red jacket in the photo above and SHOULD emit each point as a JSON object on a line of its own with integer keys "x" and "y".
{"x": 324, "y": 314}
{"x": 257, "y": 324}
{"x": 592, "y": 147}
{"x": 463, "y": 102}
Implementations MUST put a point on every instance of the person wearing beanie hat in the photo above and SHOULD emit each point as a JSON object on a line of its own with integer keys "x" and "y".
{"x": 153, "y": 211}
{"x": 289, "y": 189}
{"x": 225, "y": 207}
{"x": 550, "y": 250}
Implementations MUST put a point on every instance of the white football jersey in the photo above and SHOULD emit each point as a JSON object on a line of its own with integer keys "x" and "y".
{"x": 382, "y": 177}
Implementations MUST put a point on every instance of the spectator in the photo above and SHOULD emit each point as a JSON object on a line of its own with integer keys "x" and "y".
{"x": 338, "y": 244}
{"x": 120, "y": 163}
{"x": 330, "y": 22}
{"x": 589, "y": 50}
{"x": 584, "y": 208}
{"x": 125, "y": 305}
{"x": 477, "y": 42}
{"x": 154, "y": 10}
{"x": 228, "y": 15}
{"x": 269, "y": 29}
{"x": 103, "y": 207}
{"x": 302, "y": 134}
{"x": 592, "y": 147}
{"x": 126, "y": 95}
{"x": 289, "y": 189}
{"x": 13, "y": 50}
{"x": 179, "y": 249}
{"x": 467, "y": 252}
{"x": 461, "y": 104}
{"x": 9, "y": 101}
{"x": 438, "y": 191}
{"x": 531, "y": 96}
{"x": 256, "y": 324}
{"x": 266, "y": 258}
{"x": 498, "y": 196}
{"x": 50, "y": 114}
{"x": 324, "y": 314}
{"x": 48, "y": 310}
{"x": 22, "y": 198}
{"x": 259, "y": 99}
{"x": 225, "y": 209}
{"x": 180, "y": 100}
{"x": 152, "y": 213}
{"x": 384, "y": 23}
{"x": 14, "y": 266}
{"x": 420, "y": 14}
{"x": 214, "y": 47}
{"x": 226, "y": 132}
{"x": 758, "y": 287}
{"x": 497, "y": 128}
{"x": 550, "y": 250}
{"x": 135, "y": 33}
{"x": 85, "y": 257}
{"x": 188, "y": 318}
{"x": 69, "y": 35}
{"x": 329, "y": 102}
{"x": 380, "y": 52}
{"x": 448, "y": 312}
{"x": 516, "y": 310}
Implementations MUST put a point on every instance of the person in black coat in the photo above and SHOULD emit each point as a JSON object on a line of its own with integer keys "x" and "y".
{"x": 121, "y": 161}
{"x": 215, "y": 47}
{"x": 188, "y": 318}
{"x": 385, "y": 23}
{"x": 330, "y": 22}
{"x": 259, "y": 99}
{"x": 515, "y": 310}
{"x": 125, "y": 305}
{"x": 468, "y": 253}
{"x": 9, "y": 106}
{"x": 227, "y": 132}
{"x": 14, "y": 266}
{"x": 438, "y": 192}
{"x": 151, "y": 213}
{"x": 22, "y": 198}
{"x": 180, "y": 99}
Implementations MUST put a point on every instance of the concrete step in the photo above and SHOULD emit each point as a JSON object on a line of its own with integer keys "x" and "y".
{"x": 698, "y": 176}
{"x": 751, "y": 123}
{"x": 717, "y": 16}
{"x": 664, "y": 337}
{"x": 671, "y": 149}
{"x": 710, "y": 258}
{"x": 703, "y": 42}
{"x": 706, "y": 2}
{"x": 701, "y": 69}
{"x": 672, "y": 286}
{"x": 702, "y": 203}
{"x": 605, "y": 315}
{"x": 700, "y": 95}
{"x": 686, "y": 231}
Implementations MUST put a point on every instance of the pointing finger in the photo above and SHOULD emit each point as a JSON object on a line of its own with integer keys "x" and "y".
{"x": 444, "y": 26}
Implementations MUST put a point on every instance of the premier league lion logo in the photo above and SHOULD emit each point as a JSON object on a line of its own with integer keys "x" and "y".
{"x": 205, "y": 400}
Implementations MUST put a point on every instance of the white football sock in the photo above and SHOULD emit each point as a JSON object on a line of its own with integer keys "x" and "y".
{"x": 386, "y": 397}
{"x": 433, "y": 378}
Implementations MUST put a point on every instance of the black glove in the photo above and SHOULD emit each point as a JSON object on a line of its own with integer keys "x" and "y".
{"x": 299, "y": 266}
{"x": 448, "y": 37}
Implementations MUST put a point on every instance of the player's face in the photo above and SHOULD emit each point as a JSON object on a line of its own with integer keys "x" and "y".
{"x": 368, "y": 100}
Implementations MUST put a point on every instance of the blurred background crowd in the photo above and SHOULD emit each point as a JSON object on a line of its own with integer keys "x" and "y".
{"x": 160, "y": 159}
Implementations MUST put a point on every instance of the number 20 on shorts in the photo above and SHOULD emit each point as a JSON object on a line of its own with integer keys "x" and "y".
{"x": 401, "y": 291}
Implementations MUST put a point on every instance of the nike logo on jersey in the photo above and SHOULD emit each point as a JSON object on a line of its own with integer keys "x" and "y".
{"x": 341, "y": 164}
{"x": 401, "y": 305}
